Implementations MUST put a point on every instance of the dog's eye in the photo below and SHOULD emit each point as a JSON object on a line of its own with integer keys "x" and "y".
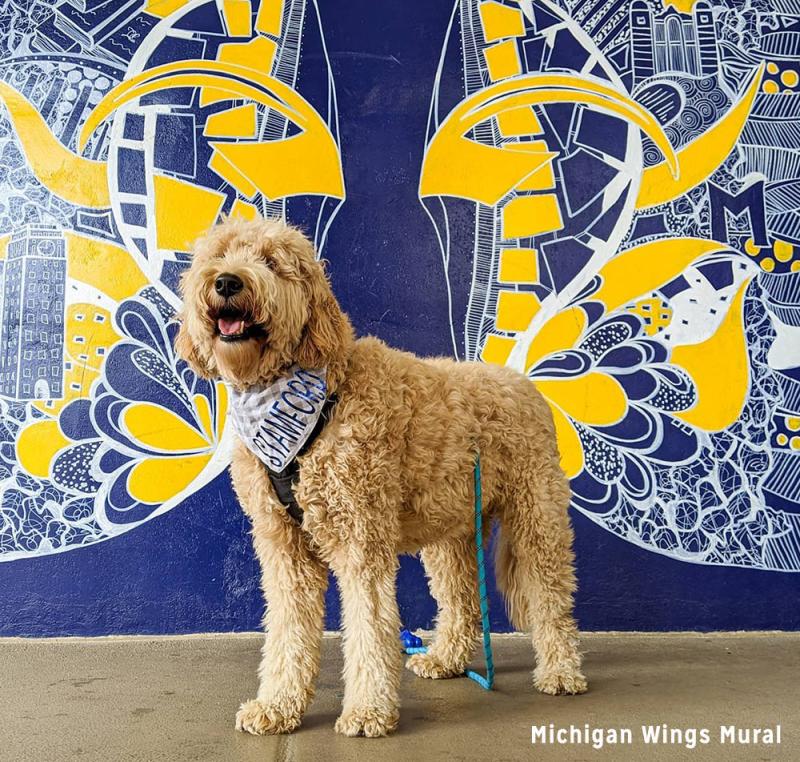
{"x": 270, "y": 263}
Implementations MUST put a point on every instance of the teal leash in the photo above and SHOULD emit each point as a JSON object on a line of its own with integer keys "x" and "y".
{"x": 488, "y": 681}
{"x": 485, "y": 681}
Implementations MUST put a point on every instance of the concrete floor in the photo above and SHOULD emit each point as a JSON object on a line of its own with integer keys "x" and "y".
{"x": 174, "y": 699}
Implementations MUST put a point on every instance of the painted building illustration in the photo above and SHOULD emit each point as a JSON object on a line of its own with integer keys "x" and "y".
{"x": 32, "y": 333}
{"x": 673, "y": 42}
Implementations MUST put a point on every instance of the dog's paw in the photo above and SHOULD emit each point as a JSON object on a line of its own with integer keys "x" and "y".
{"x": 428, "y": 665}
{"x": 262, "y": 719}
{"x": 560, "y": 682}
{"x": 370, "y": 722}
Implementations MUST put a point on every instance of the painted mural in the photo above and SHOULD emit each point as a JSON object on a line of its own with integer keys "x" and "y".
{"x": 614, "y": 187}
{"x": 129, "y": 128}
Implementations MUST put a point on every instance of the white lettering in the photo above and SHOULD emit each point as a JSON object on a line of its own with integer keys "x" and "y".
{"x": 651, "y": 733}
{"x": 538, "y": 734}
{"x": 577, "y": 735}
{"x": 727, "y": 734}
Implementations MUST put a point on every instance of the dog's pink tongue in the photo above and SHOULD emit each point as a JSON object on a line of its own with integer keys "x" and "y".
{"x": 230, "y": 326}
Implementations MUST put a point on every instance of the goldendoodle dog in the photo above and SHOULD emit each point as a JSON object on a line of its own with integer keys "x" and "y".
{"x": 383, "y": 445}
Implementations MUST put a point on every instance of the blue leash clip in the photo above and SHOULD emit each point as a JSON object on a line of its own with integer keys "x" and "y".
{"x": 413, "y": 645}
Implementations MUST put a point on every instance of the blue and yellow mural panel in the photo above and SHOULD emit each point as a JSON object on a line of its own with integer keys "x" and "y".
{"x": 619, "y": 180}
{"x": 127, "y": 130}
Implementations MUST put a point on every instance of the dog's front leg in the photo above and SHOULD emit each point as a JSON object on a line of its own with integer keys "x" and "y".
{"x": 372, "y": 659}
{"x": 294, "y": 586}
{"x": 294, "y": 581}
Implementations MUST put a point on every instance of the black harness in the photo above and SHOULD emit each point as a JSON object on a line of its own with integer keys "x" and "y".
{"x": 283, "y": 482}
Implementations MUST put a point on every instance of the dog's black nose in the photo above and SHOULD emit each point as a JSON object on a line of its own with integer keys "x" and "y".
{"x": 227, "y": 284}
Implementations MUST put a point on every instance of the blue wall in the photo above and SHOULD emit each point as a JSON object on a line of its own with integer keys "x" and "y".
{"x": 186, "y": 565}
{"x": 192, "y": 570}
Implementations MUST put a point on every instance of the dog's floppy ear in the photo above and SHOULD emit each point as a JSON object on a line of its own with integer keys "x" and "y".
{"x": 328, "y": 332}
{"x": 187, "y": 351}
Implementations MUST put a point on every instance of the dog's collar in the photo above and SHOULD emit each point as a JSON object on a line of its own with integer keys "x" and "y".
{"x": 279, "y": 422}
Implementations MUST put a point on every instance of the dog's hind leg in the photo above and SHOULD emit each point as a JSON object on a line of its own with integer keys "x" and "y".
{"x": 535, "y": 572}
{"x": 452, "y": 570}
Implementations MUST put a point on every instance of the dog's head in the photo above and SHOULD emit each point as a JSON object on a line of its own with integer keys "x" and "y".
{"x": 256, "y": 301}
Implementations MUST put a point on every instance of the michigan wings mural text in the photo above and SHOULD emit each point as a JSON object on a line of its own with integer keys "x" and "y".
{"x": 126, "y": 129}
{"x": 615, "y": 188}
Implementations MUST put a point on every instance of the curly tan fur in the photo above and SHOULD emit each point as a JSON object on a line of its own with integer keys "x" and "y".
{"x": 391, "y": 473}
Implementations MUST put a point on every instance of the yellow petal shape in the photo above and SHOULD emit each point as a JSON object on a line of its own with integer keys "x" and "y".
{"x": 80, "y": 181}
{"x": 203, "y": 411}
{"x": 700, "y": 158}
{"x": 644, "y": 268}
{"x": 161, "y": 429}
{"x": 156, "y": 480}
{"x": 594, "y": 398}
{"x": 720, "y": 371}
{"x": 222, "y": 407}
{"x": 569, "y": 444}
{"x": 558, "y": 333}
{"x": 37, "y": 446}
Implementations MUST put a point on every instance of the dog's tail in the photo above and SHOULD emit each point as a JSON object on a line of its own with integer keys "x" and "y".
{"x": 512, "y": 581}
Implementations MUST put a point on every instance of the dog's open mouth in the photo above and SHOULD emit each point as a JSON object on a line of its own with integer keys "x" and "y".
{"x": 233, "y": 325}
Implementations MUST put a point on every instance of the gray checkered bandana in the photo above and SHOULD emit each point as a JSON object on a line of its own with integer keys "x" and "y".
{"x": 274, "y": 421}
